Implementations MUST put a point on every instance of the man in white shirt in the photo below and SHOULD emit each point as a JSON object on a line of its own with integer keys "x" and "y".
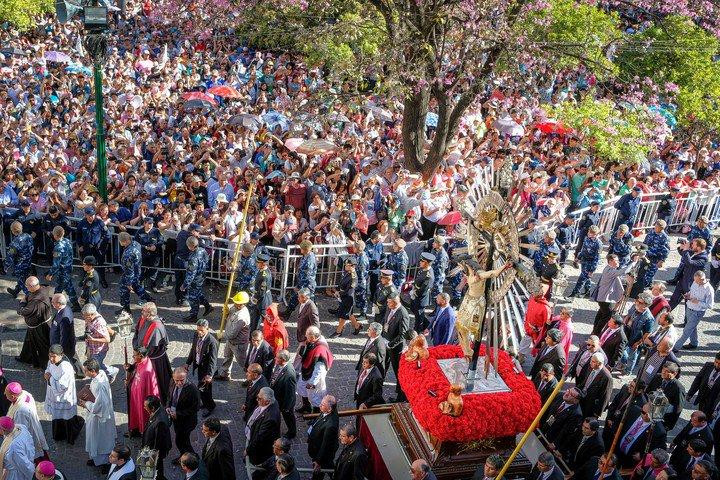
{"x": 698, "y": 300}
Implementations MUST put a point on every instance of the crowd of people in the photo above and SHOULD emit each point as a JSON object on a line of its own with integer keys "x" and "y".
{"x": 179, "y": 173}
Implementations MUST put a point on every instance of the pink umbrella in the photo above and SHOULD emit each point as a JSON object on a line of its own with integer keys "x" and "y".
{"x": 144, "y": 65}
{"x": 225, "y": 91}
{"x": 58, "y": 57}
{"x": 292, "y": 144}
{"x": 451, "y": 218}
{"x": 198, "y": 96}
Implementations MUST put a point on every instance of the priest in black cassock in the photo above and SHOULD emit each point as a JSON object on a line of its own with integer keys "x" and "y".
{"x": 150, "y": 333}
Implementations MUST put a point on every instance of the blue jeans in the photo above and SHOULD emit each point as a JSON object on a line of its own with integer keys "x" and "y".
{"x": 629, "y": 358}
{"x": 100, "y": 357}
{"x": 692, "y": 320}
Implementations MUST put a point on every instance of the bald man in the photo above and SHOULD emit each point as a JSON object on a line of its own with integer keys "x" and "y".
{"x": 182, "y": 406}
{"x": 37, "y": 310}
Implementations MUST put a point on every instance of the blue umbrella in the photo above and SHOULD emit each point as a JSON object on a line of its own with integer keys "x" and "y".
{"x": 78, "y": 68}
{"x": 273, "y": 118}
{"x": 431, "y": 119}
{"x": 666, "y": 113}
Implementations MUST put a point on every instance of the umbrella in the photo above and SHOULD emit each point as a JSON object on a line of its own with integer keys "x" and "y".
{"x": 273, "y": 118}
{"x": 7, "y": 51}
{"x": 553, "y": 127}
{"x": 431, "y": 119}
{"x": 246, "y": 120}
{"x": 225, "y": 91}
{"x": 197, "y": 103}
{"x": 338, "y": 117}
{"x": 58, "y": 57}
{"x": 199, "y": 96}
{"x": 451, "y": 218}
{"x": 78, "y": 68}
{"x": 314, "y": 147}
{"x": 293, "y": 143}
{"x": 378, "y": 112}
{"x": 508, "y": 126}
{"x": 145, "y": 65}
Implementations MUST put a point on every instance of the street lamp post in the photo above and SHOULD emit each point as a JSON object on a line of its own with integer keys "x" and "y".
{"x": 95, "y": 23}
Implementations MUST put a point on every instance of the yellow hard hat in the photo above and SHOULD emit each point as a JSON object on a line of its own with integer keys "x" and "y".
{"x": 241, "y": 298}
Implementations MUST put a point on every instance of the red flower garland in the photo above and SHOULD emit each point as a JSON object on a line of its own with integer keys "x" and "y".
{"x": 487, "y": 415}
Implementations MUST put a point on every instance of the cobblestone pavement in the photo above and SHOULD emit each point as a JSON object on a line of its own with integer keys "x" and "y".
{"x": 230, "y": 396}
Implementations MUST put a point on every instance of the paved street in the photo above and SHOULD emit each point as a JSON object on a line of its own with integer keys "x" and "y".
{"x": 229, "y": 396}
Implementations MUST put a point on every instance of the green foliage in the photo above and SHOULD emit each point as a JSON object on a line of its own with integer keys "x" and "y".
{"x": 22, "y": 13}
{"x": 573, "y": 31}
{"x": 612, "y": 134}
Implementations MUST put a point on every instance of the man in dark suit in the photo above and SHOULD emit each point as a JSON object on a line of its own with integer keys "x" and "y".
{"x": 377, "y": 345}
{"x": 673, "y": 390}
{"x": 694, "y": 258}
{"x": 203, "y": 359}
{"x": 369, "y": 384}
{"x": 306, "y": 314}
{"x": 182, "y": 407}
{"x": 192, "y": 467}
{"x": 551, "y": 353}
{"x": 352, "y": 462}
{"x": 597, "y": 387}
{"x": 585, "y": 444}
{"x": 395, "y": 329}
{"x": 261, "y": 431}
{"x": 596, "y": 468}
{"x": 696, "y": 428}
{"x": 283, "y": 382}
{"x": 706, "y": 386}
{"x": 564, "y": 416}
{"x": 267, "y": 470}
{"x": 658, "y": 358}
{"x": 442, "y": 322}
{"x": 217, "y": 453}
{"x": 157, "y": 433}
{"x": 546, "y": 469}
{"x": 696, "y": 451}
{"x": 634, "y": 436}
{"x": 121, "y": 463}
{"x": 581, "y": 363}
{"x": 255, "y": 382}
{"x": 613, "y": 340}
{"x": 617, "y": 407}
{"x": 545, "y": 382}
{"x": 323, "y": 437}
{"x": 62, "y": 329}
{"x": 261, "y": 353}
{"x": 420, "y": 296}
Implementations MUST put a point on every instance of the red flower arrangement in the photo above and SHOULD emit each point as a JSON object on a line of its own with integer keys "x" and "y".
{"x": 486, "y": 415}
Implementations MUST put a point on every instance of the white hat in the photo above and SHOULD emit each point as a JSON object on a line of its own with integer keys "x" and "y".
{"x": 221, "y": 198}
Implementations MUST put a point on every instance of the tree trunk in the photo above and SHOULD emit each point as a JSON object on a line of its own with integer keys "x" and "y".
{"x": 413, "y": 129}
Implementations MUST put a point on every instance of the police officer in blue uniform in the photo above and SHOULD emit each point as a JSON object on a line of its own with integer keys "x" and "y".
{"x": 658, "y": 249}
{"x": 439, "y": 265}
{"x": 548, "y": 244}
{"x": 260, "y": 293}
{"x": 398, "y": 262}
{"x": 565, "y": 237}
{"x": 246, "y": 268}
{"x": 589, "y": 218}
{"x": 621, "y": 244}
{"x": 18, "y": 260}
{"x": 131, "y": 264}
{"x": 420, "y": 295}
{"x": 257, "y": 246}
{"x": 699, "y": 230}
{"x": 362, "y": 268}
{"x": 93, "y": 239}
{"x": 457, "y": 246}
{"x": 151, "y": 242}
{"x": 195, "y": 279}
{"x": 589, "y": 257}
{"x": 90, "y": 285}
{"x": 385, "y": 290}
{"x": 31, "y": 221}
{"x": 53, "y": 219}
{"x": 180, "y": 262}
{"x": 307, "y": 271}
{"x": 374, "y": 251}
{"x": 61, "y": 269}
{"x": 627, "y": 207}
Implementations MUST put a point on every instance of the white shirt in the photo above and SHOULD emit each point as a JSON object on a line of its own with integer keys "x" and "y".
{"x": 703, "y": 297}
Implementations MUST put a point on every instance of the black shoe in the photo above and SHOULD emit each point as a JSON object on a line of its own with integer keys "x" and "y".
{"x": 90, "y": 463}
{"x": 689, "y": 347}
{"x": 357, "y": 331}
{"x": 222, "y": 378}
{"x": 121, "y": 309}
{"x": 336, "y": 334}
{"x": 190, "y": 319}
{"x": 304, "y": 409}
{"x": 207, "y": 310}
{"x": 333, "y": 311}
{"x": 12, "y": 292}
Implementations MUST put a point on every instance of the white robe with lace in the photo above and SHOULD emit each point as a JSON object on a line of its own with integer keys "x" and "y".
{"x": 100, "y": 432}
{"x": 61, "y": 395}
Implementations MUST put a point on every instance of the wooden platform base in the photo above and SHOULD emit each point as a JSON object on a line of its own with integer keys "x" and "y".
{"x": 451, "y": 460}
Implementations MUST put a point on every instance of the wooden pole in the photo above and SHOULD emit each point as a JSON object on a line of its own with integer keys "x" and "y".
{"x": 349, "y": 413}
{"x": 236, "y": 255}
{"x": 531, "y": 428}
